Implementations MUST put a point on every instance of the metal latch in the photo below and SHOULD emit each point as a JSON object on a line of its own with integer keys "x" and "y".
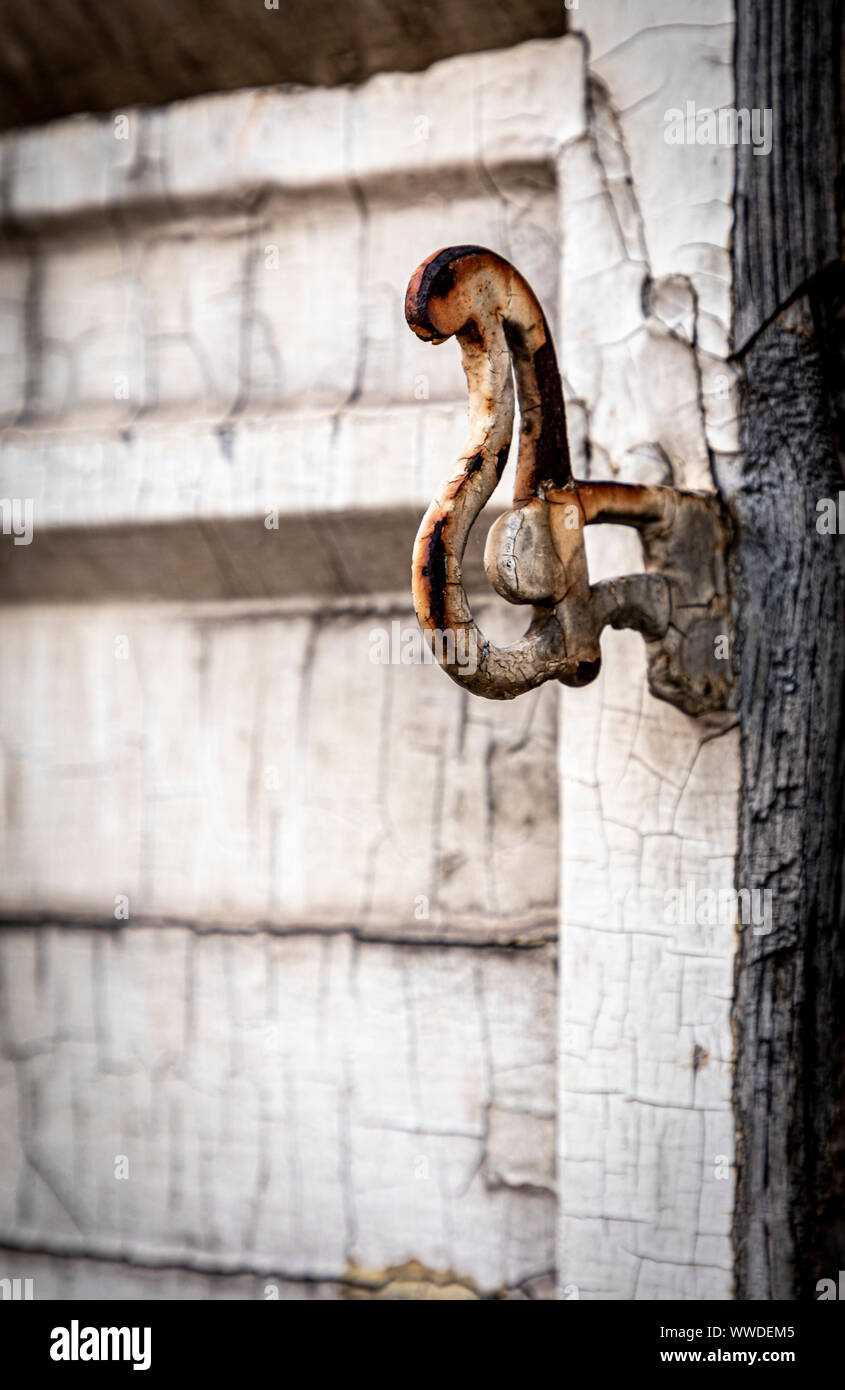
{"x": 535, "y": 552}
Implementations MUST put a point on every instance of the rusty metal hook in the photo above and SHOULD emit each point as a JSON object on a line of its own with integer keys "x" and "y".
{"x": 535, "y": 552}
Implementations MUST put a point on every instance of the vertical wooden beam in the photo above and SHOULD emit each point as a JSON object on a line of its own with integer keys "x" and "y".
{"x": 789, "y": 1003}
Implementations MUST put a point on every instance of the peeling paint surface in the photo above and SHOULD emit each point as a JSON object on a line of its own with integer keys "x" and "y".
{"x": 287, "y": 1107}
{"x": 326, "y": 1037}
{"x": 648, "y": 795}
{"x": 198, "y": 762}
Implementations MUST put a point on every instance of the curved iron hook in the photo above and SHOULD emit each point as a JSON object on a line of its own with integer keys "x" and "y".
{"x": 535, "y": 552}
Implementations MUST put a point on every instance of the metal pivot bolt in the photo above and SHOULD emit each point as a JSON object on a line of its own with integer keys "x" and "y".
{"x": 535, "y": 552}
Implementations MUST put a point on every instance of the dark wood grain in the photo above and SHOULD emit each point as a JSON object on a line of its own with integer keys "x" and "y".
{"x": 789, "y": 1005}
{"x": 787, "y": 228}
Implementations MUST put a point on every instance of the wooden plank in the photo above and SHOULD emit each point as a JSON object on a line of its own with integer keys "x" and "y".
{"x": 789, "y": 1007}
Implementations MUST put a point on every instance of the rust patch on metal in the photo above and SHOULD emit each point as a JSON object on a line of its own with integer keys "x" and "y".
{"x": 553, "y": 461}
{"x": 434, "y": 574}
{"x": 434, "y": 279}
{"x": 475, "y": 463}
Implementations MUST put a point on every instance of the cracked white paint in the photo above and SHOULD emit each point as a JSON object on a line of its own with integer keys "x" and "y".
{"x": 248, "y": 766}
{"x": 648, "y": 796}
{"x": 281, "y": 373}
{"x": 284, "y": 1106}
